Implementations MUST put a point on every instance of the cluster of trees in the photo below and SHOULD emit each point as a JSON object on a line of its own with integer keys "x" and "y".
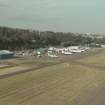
{"x": 17, "y": 39}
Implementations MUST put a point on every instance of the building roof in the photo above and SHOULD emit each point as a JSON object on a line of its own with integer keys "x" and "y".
{"x": 5, "y": 52}
{"x": 41, "y": 50}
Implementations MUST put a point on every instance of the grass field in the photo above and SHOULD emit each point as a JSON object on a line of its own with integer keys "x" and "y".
{"x": 21, "y": 64}
{"x": 61, "y": 84}
{"x": 96, "y": 59}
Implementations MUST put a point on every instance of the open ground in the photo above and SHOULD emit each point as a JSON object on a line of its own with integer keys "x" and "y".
{"x": 69, "y": 80}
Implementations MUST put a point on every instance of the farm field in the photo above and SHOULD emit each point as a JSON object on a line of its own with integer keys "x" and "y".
{"x": 58, "y": 82}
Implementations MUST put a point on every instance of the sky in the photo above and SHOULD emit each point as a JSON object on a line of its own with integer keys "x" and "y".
{"x": 54, "y": 15}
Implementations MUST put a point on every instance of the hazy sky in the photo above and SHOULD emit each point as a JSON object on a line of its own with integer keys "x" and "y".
{"x": 55, "y": 15}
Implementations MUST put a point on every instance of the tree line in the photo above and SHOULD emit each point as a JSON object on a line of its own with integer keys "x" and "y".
{"x": 17, "y": 39}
